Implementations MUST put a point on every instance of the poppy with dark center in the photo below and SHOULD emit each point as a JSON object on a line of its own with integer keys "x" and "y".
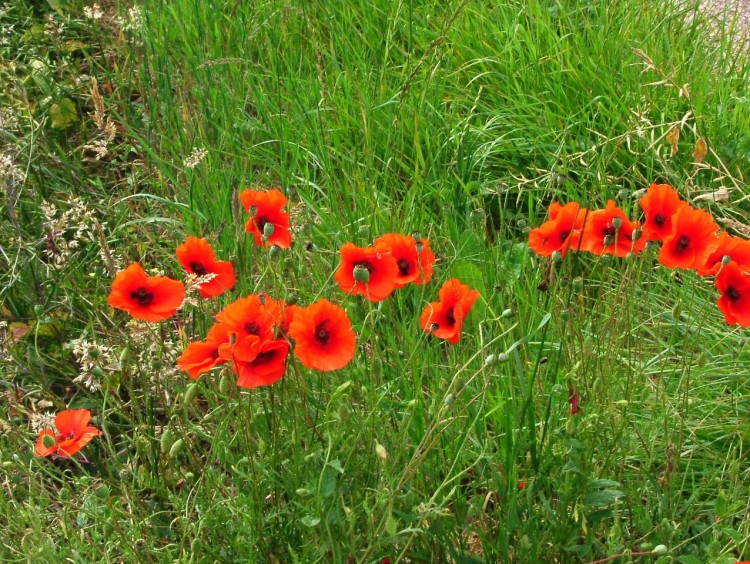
{"x": 267, "y": 366}
{"x": 610, "y": 232}
{"x": 659, "y": 205}
{"x": 556, "y": 234}
{"x": 323, "y": 336}
{"x": 414, "y": 258}
{"x": 736, "y": 248}
{"x": 370, "y": 271}
{"x": 266, "y": 209}
{"x": 149, "y": 298}
{"x": 202, "y": 356}
{"x": 689, "y": 244}
{"x": 197, "y": 257}
{"x": 445, "y": 318}
{"x": 734, "y": 286}
{"x": 253, "y": 315}
{"x": 73, "y": 433}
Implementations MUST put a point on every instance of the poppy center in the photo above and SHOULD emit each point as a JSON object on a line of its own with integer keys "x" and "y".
{"x": 610, "y": 230}
{"x": 322, "y": 334}
{"x": 450, "y": 318}
{"x": 682, "y": 244}
{"x": 143, "y": 296}
{"x": 261, "y": 222}
{"x": 404, "y": 267}
{"x": 659, "y": 219}
{"x": 732, "y": 294}
{"x": 198, "y": 268}
{"x": 264, "y": 358}
{"x": 252, "y": 328}
{"x": 367, "y": 264}
{"x": 564, "y": 234}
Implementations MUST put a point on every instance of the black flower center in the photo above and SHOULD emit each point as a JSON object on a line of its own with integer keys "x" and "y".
{"x": 659, "y": 219}
{"x": 682, "y": 244}
{"x": 404, "y": 267}
{"x": 198, "y": 268}
{"x": 450, "y": 318}
{"x": 143, "y": 296}
{"x": 261, "y": 222}
{"x": 733, "y": 294}
{"x": 322, "y": 334}
{"x": 564, "y": 234}
{"x": 252, "y": 328}
{"x": 367, "y": 264}
{"x": 610, "y": 230}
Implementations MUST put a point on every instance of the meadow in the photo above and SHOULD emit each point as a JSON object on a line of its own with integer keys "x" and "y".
{"x": 588, "y": 408}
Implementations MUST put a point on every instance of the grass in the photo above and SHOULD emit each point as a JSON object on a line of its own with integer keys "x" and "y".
{"x": 457, "y": 120}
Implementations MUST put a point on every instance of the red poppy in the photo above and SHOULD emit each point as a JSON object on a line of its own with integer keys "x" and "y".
{"x": 610, "y": 232}
{"x": 267, "y": 366}
{"x": 266, "y": 208}
{"x": 323, "y": 336}
{"x": 445, "y": 318}
{"x": 737, "y": 249}
{"x": 521, "y": 485}
{"x": 197, "y": 257}
{"x": 73, "y": 433}
{"x": 150, "y": 298}
{"x": 414, "y": 258}
{"x": 573, "y": 400}
{"x": 689, "y": 244}
{"x": 734, "y": 286}
{"x": 659, "y": 205}
{"x": 202, "y": 356}
{"x": 254, "y": 315}
{"x": 370, "y": 271}
{"x": 556, "y": 234}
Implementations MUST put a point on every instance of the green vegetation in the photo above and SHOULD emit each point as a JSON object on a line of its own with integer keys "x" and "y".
{"x": 458, "y": 120}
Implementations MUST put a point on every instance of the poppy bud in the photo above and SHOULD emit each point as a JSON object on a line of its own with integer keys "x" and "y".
{"x": 303, "y": 492}
{"x": 623, "y": 194}
{"x": 450, "y": 399}
{"x": 166, "y": 441}
{"x": 48, "y": 441}
{"x": 506, "y": 313}
{"x": 725, "y": 260}
{"x": 420, "y": 246}
{"x": 617, "y": 222}
{"x": 253, "y": 211}
{"x": 660, "y": 550}
{"x": 190, "y": 394}
{"x": 177, "y": 448}
{"x": 381, "y": 452}
{"x": 608, "y": 240}
{"x": 521, "y": 223}
{"x": 556, "y": 256}
{"x": 491, "y": 360}
{"x": 502, "y": 357}
{"x": 274, "y": 251}
{"x": 635, "y": 235}
{"x": 268, "y": 230}
{"x": 361, "y": 274}
{"x": 224, "y": 384}
{"x": 578, "y": 283}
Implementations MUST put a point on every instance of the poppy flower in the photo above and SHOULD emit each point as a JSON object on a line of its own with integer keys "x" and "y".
{"x": 737, "y": 249}
{"x": 609, "y": 232}
{"x": 323, "y": 336}
{"x": 370, "y": 271}
{"x": 734, "y": 286}
{"x": 197, "y": 257}
{"x": 73, "y": 433}
{"x": 267, "y": 366}
{"x": 659, "y": 205}
{"x": 414, "y": 258}
{"x": 202, "y": 356}
{"x": 573, "y": 400}
{"x": 556, "y": 234}
{"x": 445, "y": 318}
{"x": 253, "y": 315}
{"x": 266, "y": 208}
{"x": 150, "y": 298}
{"x": 689, "y": 244}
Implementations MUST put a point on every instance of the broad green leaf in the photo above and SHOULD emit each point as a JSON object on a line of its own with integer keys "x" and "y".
{"x": 63, "y": 113}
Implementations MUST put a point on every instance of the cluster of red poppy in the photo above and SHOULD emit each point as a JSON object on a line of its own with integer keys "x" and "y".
{"x": 689, "y": 237}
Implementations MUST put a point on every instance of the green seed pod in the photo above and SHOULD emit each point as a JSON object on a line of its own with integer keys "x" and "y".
{"x": 361, "y": 274}
{"x": 274, "y": 251}
{"x": 725, "y": 260}
{"x": 506, "y": 313}
{"x": 190, "y": 394}
{"x": 617, "y": 222}
{"x": 521, "y": 223}
{"x": 97, "y": 371}
{"x": 491, "y": 360}
{"x": 268, "y": 230}
{"x": 578, "y": 283}
{"x": 177, "y": 448}
{"x": 167, "y": 440}
{"x": 48, "y": 441}
{"x": 608, "y": 240}
{"x": 381, "y": 452}
{"x": 502, "y": 357}
{"x": 661, "y": 550}
{"x": 65, "y": 493}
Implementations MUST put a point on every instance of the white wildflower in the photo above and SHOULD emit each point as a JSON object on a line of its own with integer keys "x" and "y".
{"x": 195, "y": 157}
{"x": 93, "y": 12}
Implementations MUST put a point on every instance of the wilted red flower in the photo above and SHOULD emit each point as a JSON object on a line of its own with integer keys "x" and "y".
{"x": 556, "y": 234}
{"x": 202, "y": 356}
{"x": 573, "y": 400}
{"x": 197, "y": 257}
{"x": 266, "y": 208}
{"x": 445, "y": 318}
{"x": 737, "y": 249}
{"x": 659, "y": 205}
{"x": 414, "y": 258}
{"x": 370, "y": 271}
{"x": 73, "y": 433}
{"x": 689, "y": 244}
{"x": 150, "y": 298}
{"x": 268, "y": 364}
{"x": 323, "y": 336}
{"x": 254, "y": 315}
{"x": 609, "y": 231}
{"x": 734, "y": 286}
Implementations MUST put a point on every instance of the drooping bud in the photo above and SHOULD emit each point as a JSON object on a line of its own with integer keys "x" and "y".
{"x": 361, "y": 274}
{"x": 502, "y": 357}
